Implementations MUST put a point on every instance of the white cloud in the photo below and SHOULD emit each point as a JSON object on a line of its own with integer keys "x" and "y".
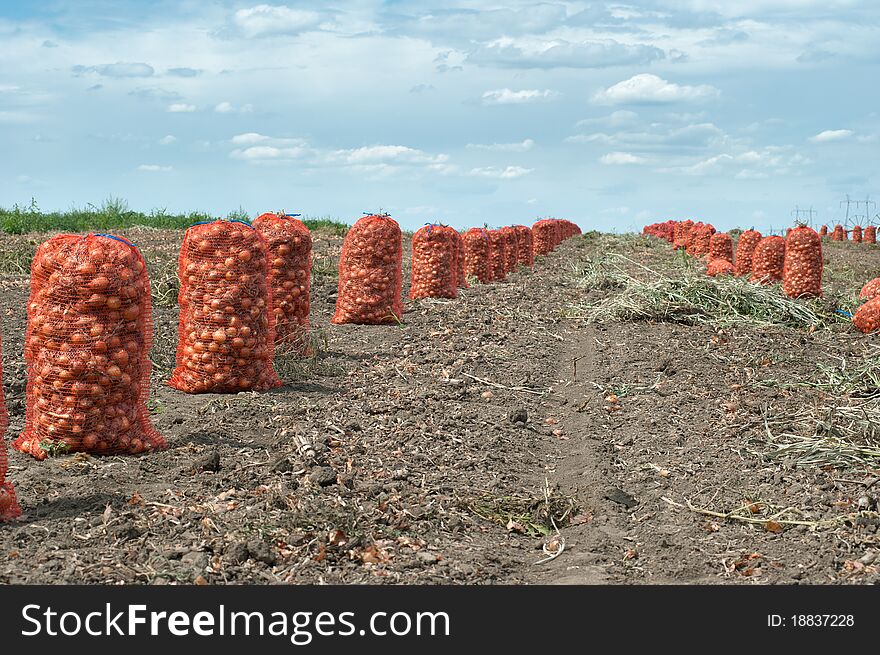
{"x": 509, "y": 97}
{"x": 167, "y": 140}
{"x": 119, "y": 69}
{"x": 508, "y": 53}
{"x": 507, "y": 173}
{"x": 522, "y": 146}
{"x": 621, "y": 158}
{"x": 227, "y": 107}
{"x": 649, "y": 88}
{"x": 746, "y": 174}
{"x": 154, "y": 168}
{"x": 831, "y": 135}
{"x": 267, "y": 20}
{"x": 385, "y": 153}
{"x": 265, "y": 153}
{"x": 181, "y": 108}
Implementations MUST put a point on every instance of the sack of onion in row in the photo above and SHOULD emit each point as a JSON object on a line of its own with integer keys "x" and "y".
{"x": 9, "y": 508}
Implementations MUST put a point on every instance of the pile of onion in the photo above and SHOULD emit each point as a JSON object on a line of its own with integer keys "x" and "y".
{"x": 460, "y": 276}
{"x": 87, "y": 346}
{"x": 745, "y": 249}
{"x": 227, "y": 324}
{"x": 9, "y": 508}
{"x": 511, "y": 249}
{"x": 867, "y": 317}
{"x": 802, "y": 271}
{"x": 434, "y": 263}
{"x": 869, "y": 235}
{"x": 768, "y": 260}
{"x": 525, "y": 254}
{"x": 290, "y": 275}
{"x": 370, "y": 273}
{"x": 701, "y": 238}
{"x": 823, "y": 231}
{"x": 680, "y": 234}
{"x": 476, "y": 254}
{"x": 543, "y": 236}
{"x": 721, "y": 247}
{"x": 839, "y": 234}
{"x": 497, "y": 255}
{"x": 857, "y": 233}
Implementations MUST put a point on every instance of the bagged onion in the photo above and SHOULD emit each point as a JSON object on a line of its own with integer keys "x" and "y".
{"x": 87, "y": 349}
{"x": 226, "y": 334}
{"x": 434, "y": 266}
{"x": 476, "y": 254}
{"x": 370, "y": 273}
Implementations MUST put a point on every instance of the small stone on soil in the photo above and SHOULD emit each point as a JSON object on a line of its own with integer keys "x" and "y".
{"x": 260, "y": 551}
{"x": 323, "y": 476}
{"x": 519, "y": 415}
{"x": 208, "y": 462}
{"x": 620, "y": 497}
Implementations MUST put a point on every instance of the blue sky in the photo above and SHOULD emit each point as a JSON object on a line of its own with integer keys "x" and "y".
{"x": 609, "y": 114}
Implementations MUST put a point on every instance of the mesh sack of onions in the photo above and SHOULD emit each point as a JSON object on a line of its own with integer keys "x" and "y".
{"x": 869, "y": 235}
{"x": 543, "y": 236}
{"x": 497, "y": 255}
{"x": 719, "y": 266}
{"x": 226, "y": 333}
{"x": 768, "y": 260}
{"x": 511, "y": 260}
{"x": 745, "y": 250}
{"x": 802, "y": 271}
{"x": 370, "y": 274}
{"x": 823, "y": 231}
{"x": 434, "y": 268}
{"x": 871, "y": 290}
{"x": 839, "y": 234}
{"x": 460, "y": 276}
{"x": 721, "y": 247}
{"x": 702, "y": 237}
{"x": 857, "y": 233}
{"x": 867, "y": 317}
{"x": 9, "y": 508}
{"x": 680, "y": 234}
{"x": 290, "y": 275}
{"x": 87, "y": 347}
{"x": 476, "y": 254}
{"x": 525, "y": 254}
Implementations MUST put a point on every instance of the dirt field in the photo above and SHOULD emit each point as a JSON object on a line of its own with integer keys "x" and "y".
{"x": 450, "y": 449}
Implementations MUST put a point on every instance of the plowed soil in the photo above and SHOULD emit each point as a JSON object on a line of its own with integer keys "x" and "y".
{"x": 464, "y": 447}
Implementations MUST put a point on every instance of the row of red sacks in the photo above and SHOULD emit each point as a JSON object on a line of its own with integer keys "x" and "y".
{"x": 797, "y": 260}
{"x": 243, "y": 289}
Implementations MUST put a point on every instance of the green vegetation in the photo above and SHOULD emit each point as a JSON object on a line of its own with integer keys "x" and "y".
{"x": 115, "y": 214}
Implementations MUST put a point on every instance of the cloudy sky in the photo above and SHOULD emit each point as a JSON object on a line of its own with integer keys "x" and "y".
{"x": 610, "y": 114}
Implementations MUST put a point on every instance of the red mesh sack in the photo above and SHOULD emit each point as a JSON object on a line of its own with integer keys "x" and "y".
{"x": 511, "y": 248}
{"x": 823, "y": 231}
{"x": 524, "y": 246}
{"x": 691, "y": 236}
{"x": 768, "y": 260}
{"x": 370, "y": 273}
{"x": 869, "y": 235}
{"x": 460, "y": 276}
{"x": 871, "y": 290}
{"x": 867, "y": 318}
{"x": 857, "y": 233}
{"x": 87, "y": 347}
{"x": 802, "y": 271}
{"x": 543, "y": 236}
{"x": 719, "y": 266}
{"x": 745, "y": 250}
{"x": 839, "y": 234}
{"x": 497, "y": 255}
{"x": 476, "y": 254}
{"x": 9, "y": 508}
{"x": 226, "y": 333}
{"x": 680, "y": 234}
{"x": 702, "y": 237}
{"x": 290, "y": 275}
{"x": 721, "y": 247}
{"x": 434, "y": 273}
